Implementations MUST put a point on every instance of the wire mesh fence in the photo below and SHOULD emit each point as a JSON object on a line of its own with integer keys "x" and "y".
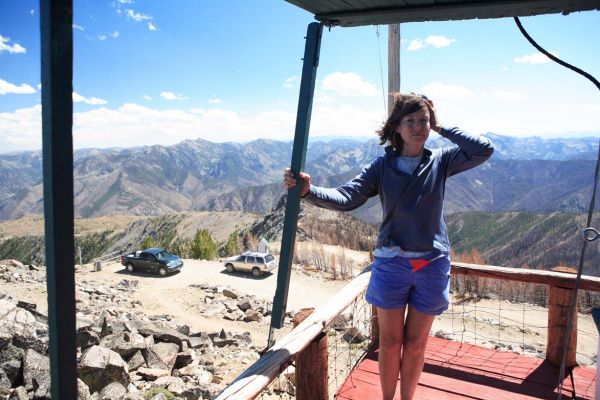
{"x": 492, "y": 313}
{"x": 510, "y": 316}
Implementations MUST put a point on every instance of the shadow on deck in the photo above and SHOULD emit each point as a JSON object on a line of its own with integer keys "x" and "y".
{"x": 455, "y": 370}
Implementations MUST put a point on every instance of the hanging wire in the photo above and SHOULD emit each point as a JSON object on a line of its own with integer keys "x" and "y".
{"x": 590, "y": 213}
{"x": 381, "y": 74}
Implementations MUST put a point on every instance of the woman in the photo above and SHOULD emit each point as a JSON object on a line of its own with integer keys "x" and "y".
{"x": 409, "y": 282}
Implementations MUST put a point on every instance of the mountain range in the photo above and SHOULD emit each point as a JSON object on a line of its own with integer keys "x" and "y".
{"x": 525, "y": 174}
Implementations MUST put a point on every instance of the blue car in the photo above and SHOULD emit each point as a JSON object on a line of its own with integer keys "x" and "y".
{"x": 155, "y": 260}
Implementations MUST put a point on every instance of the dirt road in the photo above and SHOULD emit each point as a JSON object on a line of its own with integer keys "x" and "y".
{"x": 173, "y": 295}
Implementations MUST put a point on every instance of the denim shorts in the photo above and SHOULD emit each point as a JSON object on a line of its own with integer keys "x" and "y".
{"x": 423, "y": 283}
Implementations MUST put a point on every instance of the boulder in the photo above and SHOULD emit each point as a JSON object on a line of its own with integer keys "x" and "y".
{"x": 113, "y": 391}
{"x": 252, "y": 315}
{"x": 167, "y": 352}
{"x": 353, "y": 335}
{"x": 86, "y": 338}
{"x": 36, "y": 374}
{"x": 124, "y": 343}
{"x": 100, "y": 366}
{"x": 232, "y": 294}
{"x": 201, "y": 340}
{"x": 136, "y": 361}
{"x": 152, "y": 374}
{"x": 12, "y": 368}
{"x": 83, "y": 391}
{"x": 184, "y": 358}
{"x": 163, "y": 334}
{"x": 19, "y": 393}
{"x": 173, "y": 384}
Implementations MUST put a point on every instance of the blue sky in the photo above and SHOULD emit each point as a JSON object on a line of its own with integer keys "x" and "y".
{"x": 157, "y": 72}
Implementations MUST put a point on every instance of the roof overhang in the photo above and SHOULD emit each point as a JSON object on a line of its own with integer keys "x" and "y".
{"x": 384, "y": 12}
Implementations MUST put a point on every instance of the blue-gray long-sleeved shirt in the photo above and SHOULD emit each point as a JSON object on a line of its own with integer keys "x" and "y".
{"x": 413, "y": 204}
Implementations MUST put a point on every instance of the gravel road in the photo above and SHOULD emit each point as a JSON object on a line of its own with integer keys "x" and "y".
{"x": 173, "y": 295}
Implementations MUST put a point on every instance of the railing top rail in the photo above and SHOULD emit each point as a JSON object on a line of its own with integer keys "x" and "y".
{"x": 252, "y": 381}
{"x": 550, "y": 278}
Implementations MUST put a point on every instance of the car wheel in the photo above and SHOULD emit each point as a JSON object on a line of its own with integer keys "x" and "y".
{"x": 130, "y": 267}
{"x": 229, "y": 268}
{"x": 256, "y": 272}
{"x": 162, "y": 271}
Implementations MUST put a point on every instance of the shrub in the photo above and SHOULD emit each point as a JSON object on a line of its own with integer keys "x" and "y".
{"x": 203, "y": 246}
{"x": 154, "y": 391}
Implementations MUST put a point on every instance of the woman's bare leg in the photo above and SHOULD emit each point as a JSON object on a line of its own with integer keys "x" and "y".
{"x": 416, "y": 333}
{"x": 391, "y": 334}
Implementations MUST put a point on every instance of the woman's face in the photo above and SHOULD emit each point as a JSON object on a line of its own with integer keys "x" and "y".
{"x": 414, "y": 128}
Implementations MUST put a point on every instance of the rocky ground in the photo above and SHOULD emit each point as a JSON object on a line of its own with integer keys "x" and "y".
{"x": 188, "y": 335}
{"x": 129, "y": 346}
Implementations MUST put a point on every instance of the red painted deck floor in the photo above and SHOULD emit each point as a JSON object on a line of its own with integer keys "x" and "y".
{"x": 464, "y": 371}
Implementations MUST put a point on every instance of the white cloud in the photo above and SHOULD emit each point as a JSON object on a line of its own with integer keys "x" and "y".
{"x": 535, "y": 58}
{"x": 439, "y": 41}
{"x": 170, "y": 96}
{"x": 79, "y": 27}
{"x": 32, "y": 12}
{"x": 146, "y": 97}
{"x": 126, "y": 1}
{"x": 290, "y": 82}
{"x": 436, "y": 90}
{"x": 101, "y": 37}
{"x": 77, "y": 98}
{"x": 432, "y": 40}
{"x": 7, "y": 87}
{"x": 132, "y": 124}
{"x": 347, "y": 120}
{"x": 215, "y": 100}
{"x": 151, "y": 26}
{"x": 415, "y": 44}
{"x": 13, "y": 49}
{"x": 348, "y": 84}
{"x": 137, "y": 17}
{"x": 115, "y": 34}
{"x": 21, "y": 129}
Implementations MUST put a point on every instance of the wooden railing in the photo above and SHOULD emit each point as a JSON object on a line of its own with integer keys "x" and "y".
{"x": 305, "y": 341}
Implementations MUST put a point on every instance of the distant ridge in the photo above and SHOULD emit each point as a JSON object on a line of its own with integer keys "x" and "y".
{"x": 528, "y": 174}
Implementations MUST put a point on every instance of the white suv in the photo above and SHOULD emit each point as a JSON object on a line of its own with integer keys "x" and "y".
{"x": 255, "y": 262}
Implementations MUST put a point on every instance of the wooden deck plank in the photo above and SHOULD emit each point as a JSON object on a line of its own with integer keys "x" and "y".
{"x": 455, "y": 370}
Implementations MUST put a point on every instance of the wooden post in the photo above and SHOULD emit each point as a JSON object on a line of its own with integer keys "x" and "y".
{"x": 312, "y": 375}
{"x": 393, "y": 64}
{"x": 559, "y": 302}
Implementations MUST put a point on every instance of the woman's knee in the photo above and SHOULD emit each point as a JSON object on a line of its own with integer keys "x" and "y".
{"x": 390, "y": 344}
{"x": 415, "y": 345}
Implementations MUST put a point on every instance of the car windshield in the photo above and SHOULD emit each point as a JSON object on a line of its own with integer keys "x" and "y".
{"x": 162, "y": 255}
{"x": 269, "y": 258}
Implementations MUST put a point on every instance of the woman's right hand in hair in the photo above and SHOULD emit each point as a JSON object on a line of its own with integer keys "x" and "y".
{"x": 289, "y": 181}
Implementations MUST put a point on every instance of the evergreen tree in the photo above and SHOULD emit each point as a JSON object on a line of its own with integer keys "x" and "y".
{"x": 232, "y": 246}
{"x": 148, "y": 243}
{"x": 203, "y": 246}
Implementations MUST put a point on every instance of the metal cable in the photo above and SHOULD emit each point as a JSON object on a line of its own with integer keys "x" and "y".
{"x": 590, "y": 212}
{"x": 381, "y": 73}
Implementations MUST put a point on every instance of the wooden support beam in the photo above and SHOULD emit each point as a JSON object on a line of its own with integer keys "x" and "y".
{"x": 312, "y": 380}
{"x": 559, "y": 303}
{"x": 56, "y": 26}
{"x": 393, "y": 65}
